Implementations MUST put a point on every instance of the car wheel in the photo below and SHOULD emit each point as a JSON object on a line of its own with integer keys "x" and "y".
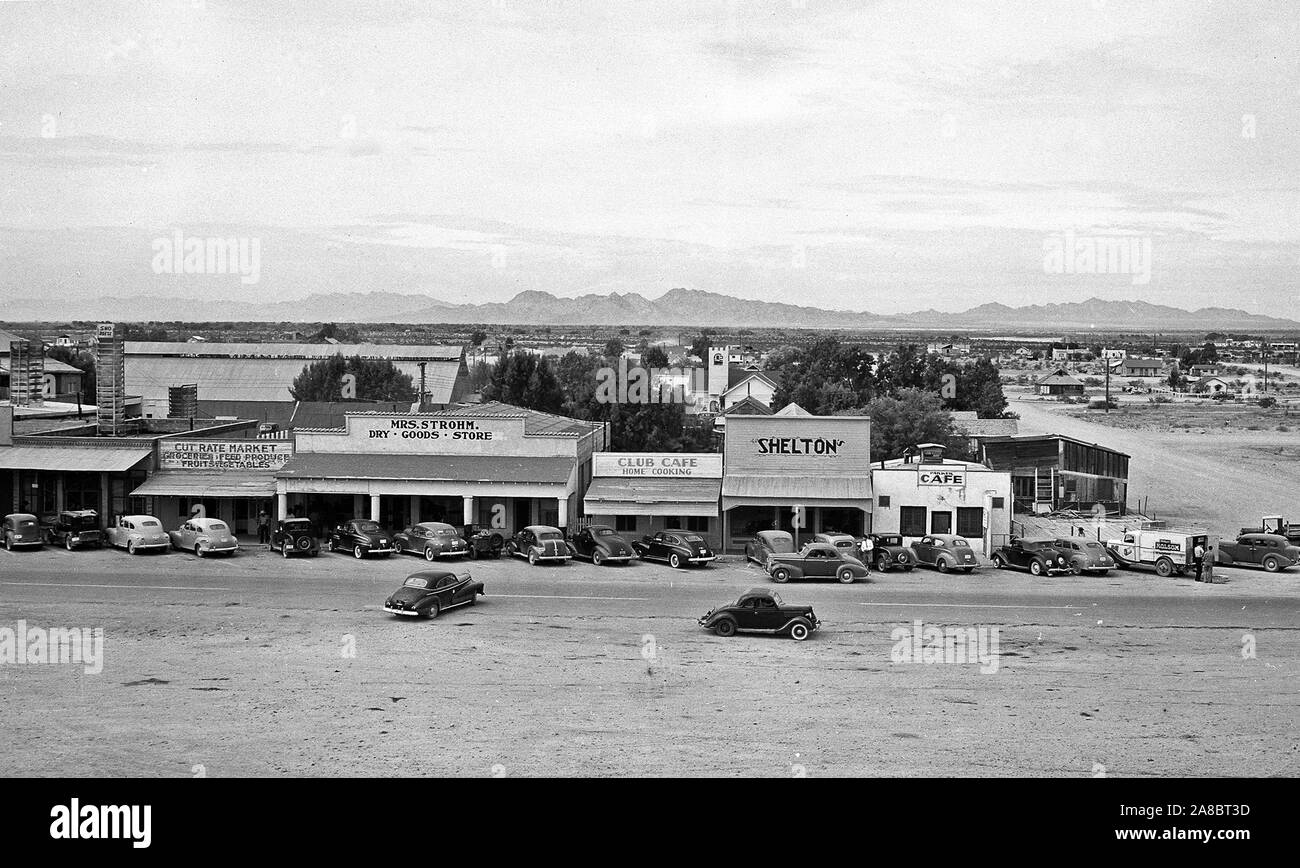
{"x": 1036, "y": 567}
{"x": 1164, "y": 567}
{"x": 881, "y": 564}
{"x": 780, "y": 575}
{"x": 434, "y": 609}
{"x": 942, "y": 565}
{"x": 198, "y": 550}
{"x": 67, "y": 543}
{"x": 597, "y": 558}
{"x": 1272, "y": 564}
{"x": 725, "y": 628}
{"x": 999, "y": 563}
{"x": 429, "y": 554}
{"x": 846, "y": 576}
{"x": 532, "y": 558}
{"x": 675, "y": 561}
{"x": 130, "y": 547}
{"x": 799, "y": 630}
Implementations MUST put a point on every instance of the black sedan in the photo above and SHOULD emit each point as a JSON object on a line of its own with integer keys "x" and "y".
{"x": 761, "y": 611}
{"x": 676, "y": 548}
{"x": 1038, "y": 556}
{"x": 362, "y": 537}
{"x": 428, "y": 592}
{"x": 601, "y": 544}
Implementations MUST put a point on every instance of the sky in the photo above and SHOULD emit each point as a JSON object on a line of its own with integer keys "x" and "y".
{"x": 880, "y": 156}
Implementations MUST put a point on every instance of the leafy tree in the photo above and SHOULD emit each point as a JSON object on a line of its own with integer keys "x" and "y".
{"x": 331, "y": 331}
{"x": 700, "y": 346}
{"x": 477, "y": 338}
{"x": 525, "y": 380}
{"x": 899, "y": 422}
{"x": 376, "y": 380}
{"x": 615, "y": 347}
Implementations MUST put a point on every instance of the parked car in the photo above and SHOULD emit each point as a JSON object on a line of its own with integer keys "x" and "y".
{"x": 765, "y": 543}
{"x": 675, "y": 548}
{"x": 428, "y": 592}
{"x": 843, "y": 541}
{"x": 484, "y": 543}
{"x": 888, "y": 551}
{"x": 204, "y": 536}
{"x": 295, "y": 536}
{"x": 76, "y": 528}
{"x": 433, "y": 539}
{"x": 944, "y": 551}
{"x": 760, "y": 610}
{"x": 601, "y": 544}
{"x": 1039, "y": 556}
{"x": 1273, "y": 552}
{"x": 22, "y": 529}
{"x": 817, "y": 560}
{"x": 539, "y": 542}
{"x": 1085, "y": 556}
{"x": 138, "y": 533}
{"x": 362, "y": 537}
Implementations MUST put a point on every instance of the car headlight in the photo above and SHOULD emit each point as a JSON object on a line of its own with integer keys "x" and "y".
{"x": 1061, "y": 561}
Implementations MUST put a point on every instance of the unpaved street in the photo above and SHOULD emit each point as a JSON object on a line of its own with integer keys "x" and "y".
{"x": 242, "y": 667}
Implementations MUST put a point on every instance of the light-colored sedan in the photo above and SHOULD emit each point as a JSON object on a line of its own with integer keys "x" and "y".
{"x": 138, "y": 533}
{"x": 204, "y": 536}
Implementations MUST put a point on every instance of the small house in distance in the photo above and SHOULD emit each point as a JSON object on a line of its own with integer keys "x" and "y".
{"x": 1059, "y": 382}
{"x": 1052, "y": 471}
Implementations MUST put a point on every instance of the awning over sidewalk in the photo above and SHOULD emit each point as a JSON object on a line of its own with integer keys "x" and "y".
{"x": 618, "y": 495}
{"x": 428, "y": 468}
{"x": 215, "y": 483}
{"x": 82, "y": 460}
{"x": 752, "y": 490}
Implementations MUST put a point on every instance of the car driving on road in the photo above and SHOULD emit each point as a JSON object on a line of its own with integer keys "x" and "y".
{"x": 429, "y": 592}
{"x": 760, "y": 610}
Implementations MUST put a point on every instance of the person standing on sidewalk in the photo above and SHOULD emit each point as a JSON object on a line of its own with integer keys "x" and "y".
{"x": 263, "y": 527}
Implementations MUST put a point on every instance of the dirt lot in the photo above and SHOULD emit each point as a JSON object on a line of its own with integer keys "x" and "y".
{"x": 1209, "y": 417}
{"x": 240, "y": 667}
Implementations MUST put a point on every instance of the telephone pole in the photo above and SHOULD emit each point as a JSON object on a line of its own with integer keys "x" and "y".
{"x": 421, "y": 405}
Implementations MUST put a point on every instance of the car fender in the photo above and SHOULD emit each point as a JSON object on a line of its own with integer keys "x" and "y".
{"x": 795, "y": 570}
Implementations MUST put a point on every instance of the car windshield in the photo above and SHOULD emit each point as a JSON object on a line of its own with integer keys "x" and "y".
{"x": 603, "y": 531}
{"x": 549, "y": 535}
{"x": 416, "y": 582}
{"x": 368, "y": 526}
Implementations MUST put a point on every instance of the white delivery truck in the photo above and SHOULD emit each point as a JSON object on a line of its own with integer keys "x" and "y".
{"x": 1167, "y": 551}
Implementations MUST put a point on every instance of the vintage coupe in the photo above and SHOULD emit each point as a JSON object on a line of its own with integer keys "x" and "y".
{"x": 845, "y": 542}
{"x": 362, "y": 537}
{"x": 295, "y": 536}
{"x": 675, "y": 548}
{"x": 433, "y": 539}
{"x": 204, "y": 536}
{"x": 817, "y": 560}
{"x": 766, "y": 543}
{"x": 75, "y": 528}
{"x": 1273, "y": 552}
{"x": 944, "y": 552}
{"x": 138, "y": 533}
{"x": 22, "y": 529}
{"x": 426, "y": 593}
{"x": 1040, "y": 557}
{"x": 538, "y": 543}
{"x": 888, "y": 551}
{"x": 760, "y": 610}
{"x": 1085, "y": 556}
{"x": 601, "y": 544}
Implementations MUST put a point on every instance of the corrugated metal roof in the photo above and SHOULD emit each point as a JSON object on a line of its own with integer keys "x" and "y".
{"x": 675, "y": 497}
{"x": 437, "y": 468}
{"x": 71, "y": 458}
{"x": 207, "y": 483}
{"x": 535, "y": 421}
{"x": 808, "y": 490}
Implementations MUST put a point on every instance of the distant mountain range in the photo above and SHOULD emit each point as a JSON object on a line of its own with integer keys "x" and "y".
{"x": 677, "y": 307}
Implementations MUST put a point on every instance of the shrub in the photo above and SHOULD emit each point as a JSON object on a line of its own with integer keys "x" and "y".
{"x": 1268, "y": 401}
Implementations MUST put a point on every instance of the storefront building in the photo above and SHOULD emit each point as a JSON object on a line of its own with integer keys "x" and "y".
{"x": 925, "y": 493}
{"x": 796, "y": 472}
{"x": 233, "y": 480}
{"x": 639, "y": 493}
{"x": 492, "y": 465}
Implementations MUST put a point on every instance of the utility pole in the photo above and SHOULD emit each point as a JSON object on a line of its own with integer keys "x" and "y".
{"x": 422, "y": 364}
{"x": 1106, "y": 363}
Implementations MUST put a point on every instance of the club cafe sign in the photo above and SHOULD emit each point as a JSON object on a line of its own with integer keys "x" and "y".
{"x": 224, "y": 454}
{"x": 940, "y": 477}
{"x": 703, "y": 466}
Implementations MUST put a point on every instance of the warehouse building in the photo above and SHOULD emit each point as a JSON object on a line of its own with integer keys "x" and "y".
{"x": 264, "y": 371}
{"x": 491, "y": 465}
{"x": 640, "y": 493}
{"x": 1052, "y": 471}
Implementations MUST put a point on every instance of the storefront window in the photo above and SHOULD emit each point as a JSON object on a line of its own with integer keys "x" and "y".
{"x": 911, "y": 521}
{"x": 625, "y": 523}
{"x": 940, "y": 522}
{"x": 697, "y": 523}
{"x": 970, "y": 521}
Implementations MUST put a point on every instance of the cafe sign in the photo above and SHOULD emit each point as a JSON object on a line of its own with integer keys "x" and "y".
{"x": 224, "y": 454}
{"x": 941, "y": 477}
{"x": 655, "y": 464}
